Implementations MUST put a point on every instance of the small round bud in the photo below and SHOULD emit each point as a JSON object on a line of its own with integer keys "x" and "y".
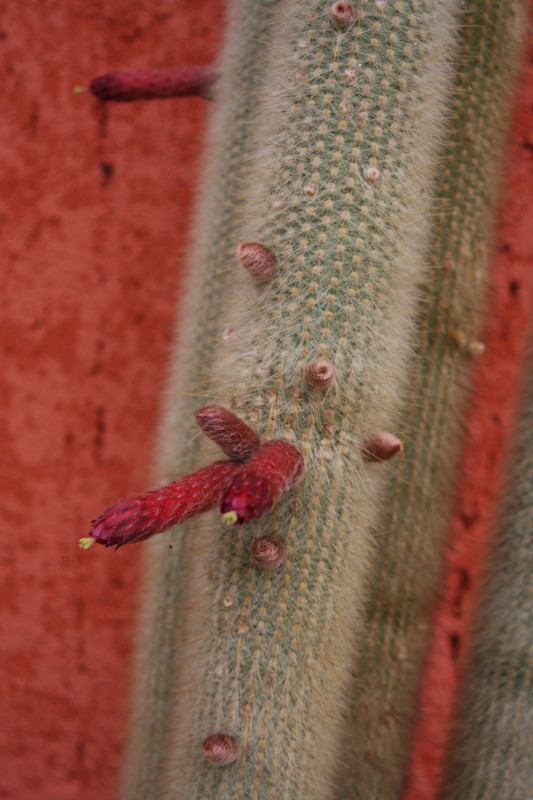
{"x": 258, "y": 260}
{"x": 381, "y": 447}
{"x": 220, "y": 749}
{"x": 342, "y": 14}
{"x": 320, "y": 373}
{"x": 268, "y": 552}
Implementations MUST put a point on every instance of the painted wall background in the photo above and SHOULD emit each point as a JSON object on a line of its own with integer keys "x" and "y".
{"x": 94, "y": 211}
{"x": 94, "y": 217}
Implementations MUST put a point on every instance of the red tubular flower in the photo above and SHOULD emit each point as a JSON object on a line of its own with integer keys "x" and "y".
{"x": 138, "y": 518}
{"x": 233, "y": 436}
{"x": 257, "y": 485}
{"x": 122, "y": 87}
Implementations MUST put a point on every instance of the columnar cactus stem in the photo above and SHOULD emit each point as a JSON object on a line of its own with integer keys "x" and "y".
{"x": 211, "y": 267}
{"x": 491, "y": 754}
{"x": 339, "y": 151}
{"x": 331, "y": 118}
{"x": 419, "y": 504}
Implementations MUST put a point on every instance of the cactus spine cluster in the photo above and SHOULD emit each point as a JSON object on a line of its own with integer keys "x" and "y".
{"x": 324, "y": 150}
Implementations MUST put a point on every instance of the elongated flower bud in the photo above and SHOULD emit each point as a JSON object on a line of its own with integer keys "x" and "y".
{"x": 232, "y": 435}
{"x": 123, "y": 87}
{"x": 256, "y": 486}
{"x": 138, "y": 518}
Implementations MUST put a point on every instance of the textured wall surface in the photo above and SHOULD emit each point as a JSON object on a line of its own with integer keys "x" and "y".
{"x": 94, "y": 216}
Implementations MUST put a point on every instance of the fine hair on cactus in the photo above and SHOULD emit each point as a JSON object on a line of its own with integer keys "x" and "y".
{"x": 324, "y": 344}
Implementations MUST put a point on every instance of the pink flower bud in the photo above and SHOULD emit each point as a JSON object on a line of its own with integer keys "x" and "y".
{"x": 381, "y": 447}
{"x": 258, "y": 260}
{"x": 234, "y": 437}
{"x": 122, "y": 87}
{"x": 220, "y": 749}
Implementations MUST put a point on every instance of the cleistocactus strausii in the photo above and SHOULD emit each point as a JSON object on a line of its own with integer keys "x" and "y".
{"x": 357, "y": 144}
{"x": 420, "y": 499}
{"x": 491, "y": 754}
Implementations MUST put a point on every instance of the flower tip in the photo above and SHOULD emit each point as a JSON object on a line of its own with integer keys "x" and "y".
{"x": 230, "y": 518}
{"x": 86, "y": 542}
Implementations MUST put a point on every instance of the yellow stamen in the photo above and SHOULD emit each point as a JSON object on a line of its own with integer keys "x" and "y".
{"x": 230, "y": 518}
{"x": 78, "y": 89}
{"x": 86, "y": 542}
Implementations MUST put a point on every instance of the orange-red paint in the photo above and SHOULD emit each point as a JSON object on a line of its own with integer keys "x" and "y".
{"x": 94, "y": 210}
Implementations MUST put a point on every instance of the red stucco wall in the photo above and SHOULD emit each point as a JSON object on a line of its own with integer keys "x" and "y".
{"x": 94, "y": 218}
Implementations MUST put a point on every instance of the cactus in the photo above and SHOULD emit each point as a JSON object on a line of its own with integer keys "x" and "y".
{"x": 490, "y": 754}
{"x": 421, "y": 495}
{"x": 348, "y": 312}
{"x": 123, "y": 87}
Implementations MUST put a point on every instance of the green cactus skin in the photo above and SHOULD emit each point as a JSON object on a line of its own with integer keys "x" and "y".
{"x": 413, "y": 534}
{"x": 323, "y": 148}
{"x": 491, "y": 754}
